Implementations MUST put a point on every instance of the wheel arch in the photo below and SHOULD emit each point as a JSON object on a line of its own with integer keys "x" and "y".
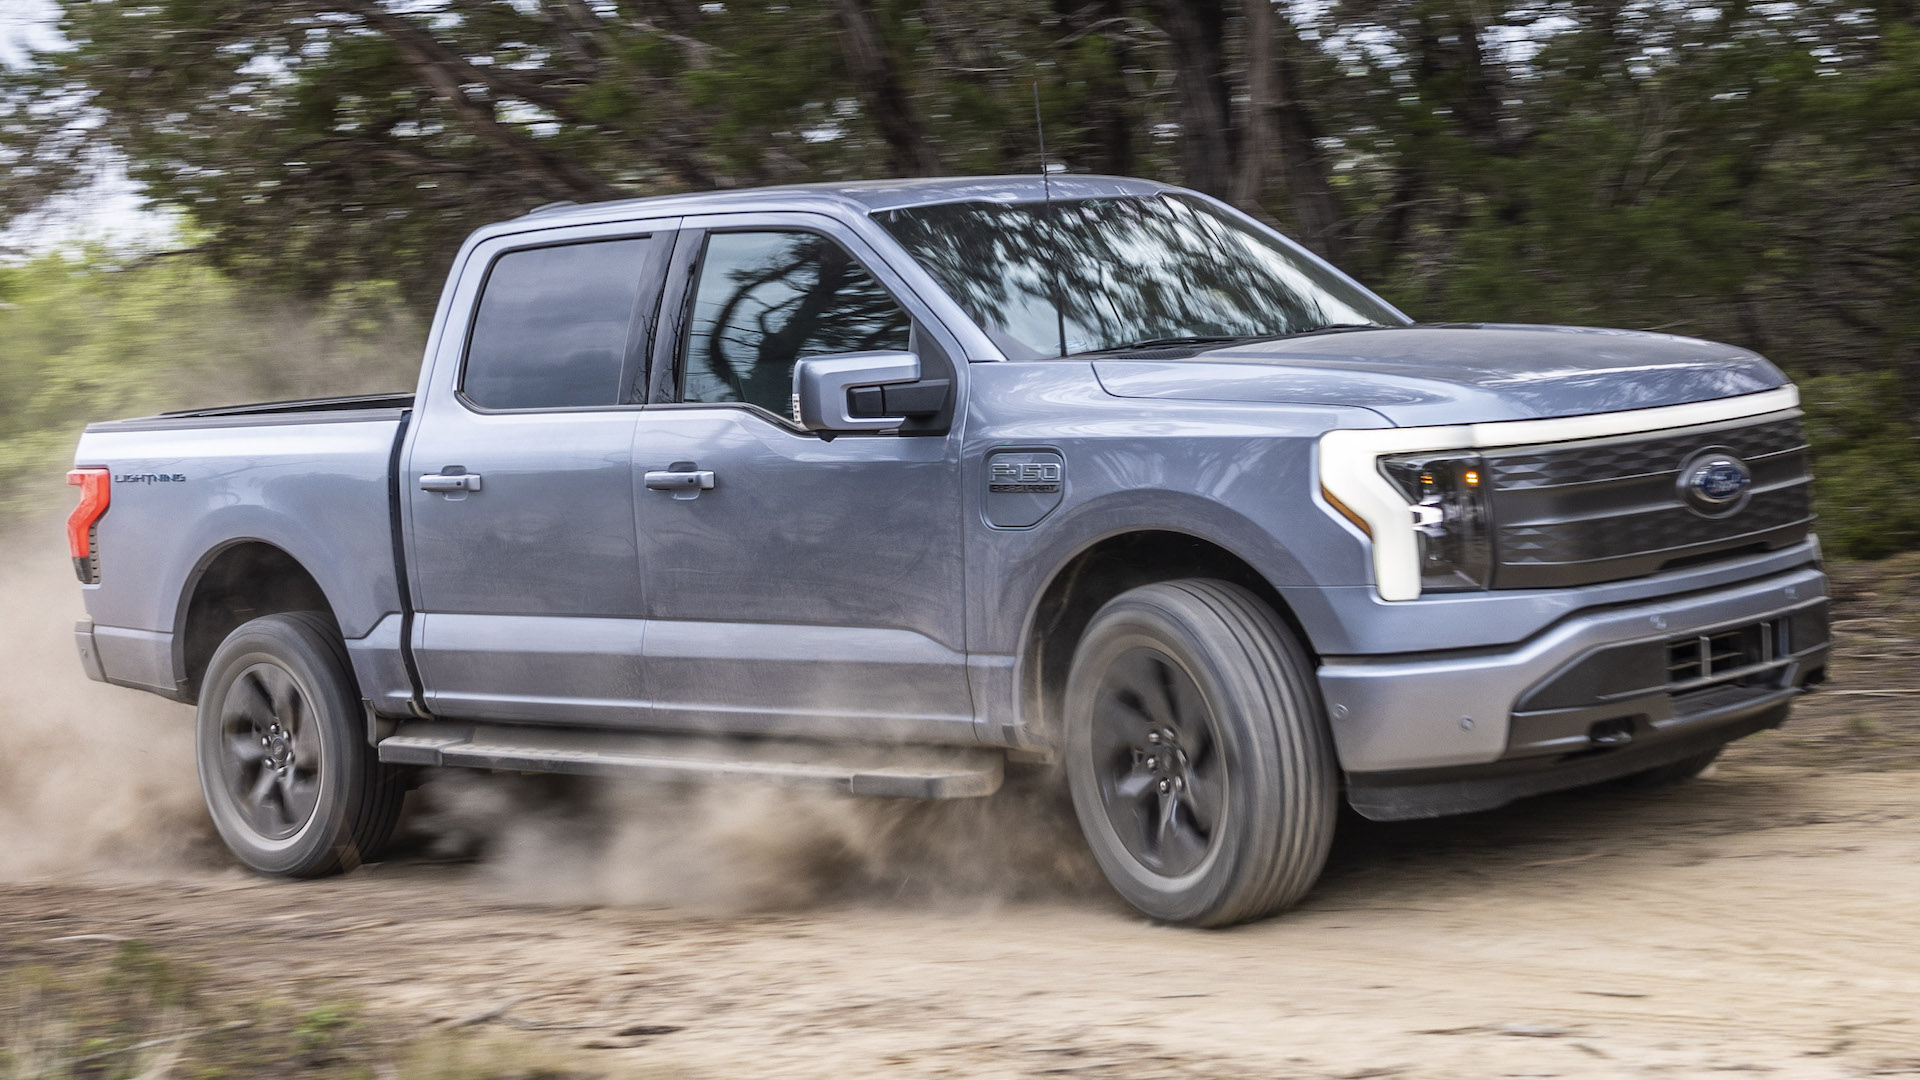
{"x": 1095, "y": 573}
{"x": 236, "y": 581}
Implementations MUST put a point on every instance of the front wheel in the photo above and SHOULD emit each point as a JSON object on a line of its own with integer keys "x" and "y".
{"x": 1198, "y": 755}
{"x": 291, "y": 783}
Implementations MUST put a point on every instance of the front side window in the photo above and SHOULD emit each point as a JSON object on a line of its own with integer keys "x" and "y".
{"x": 766, "y": 299}
{"x": 552, "y": 329}
{"x": 1113, "y": 273}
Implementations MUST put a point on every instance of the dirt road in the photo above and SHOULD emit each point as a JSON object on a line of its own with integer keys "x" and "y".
{"x": 1765, "y": 919}
{"x": 1755, "y": 921}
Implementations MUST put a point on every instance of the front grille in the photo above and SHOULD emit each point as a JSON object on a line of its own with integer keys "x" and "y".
{"x": 1604, "y": 510}
{"x": 1578, "y": 463}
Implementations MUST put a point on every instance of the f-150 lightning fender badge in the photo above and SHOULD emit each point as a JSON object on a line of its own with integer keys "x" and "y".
{"x": 1023, "y": 486}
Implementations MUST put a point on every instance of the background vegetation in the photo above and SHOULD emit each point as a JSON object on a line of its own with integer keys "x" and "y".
{"x": 1740, "y": 170}
{"x": 134, "y": 1013}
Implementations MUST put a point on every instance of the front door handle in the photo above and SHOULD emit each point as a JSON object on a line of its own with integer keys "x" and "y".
{"x": 684, "y": 485}
{"x": 450, "y": 482}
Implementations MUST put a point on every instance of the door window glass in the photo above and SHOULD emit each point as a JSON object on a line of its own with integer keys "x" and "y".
{"x": 764, "y": 300}
{"x": 552, "y": 327}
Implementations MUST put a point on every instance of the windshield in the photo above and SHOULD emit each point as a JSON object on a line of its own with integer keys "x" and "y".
{"x": 1126, "y": 271}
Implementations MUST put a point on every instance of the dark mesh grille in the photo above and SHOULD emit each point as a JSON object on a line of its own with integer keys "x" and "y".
{"x": 1577, "y": 465}
{"x": 1578, "y": 513}
{"x": 1676, "y": 527}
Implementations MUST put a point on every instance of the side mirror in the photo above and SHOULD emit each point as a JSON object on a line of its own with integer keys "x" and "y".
{"x": 849, "y": 392}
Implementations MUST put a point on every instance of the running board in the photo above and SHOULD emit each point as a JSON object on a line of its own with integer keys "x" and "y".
{"x": 899, "y": 772}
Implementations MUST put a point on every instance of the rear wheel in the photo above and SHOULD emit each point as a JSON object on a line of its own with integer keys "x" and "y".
{"x": 289, "y": 779}
{"x": 1197, "y": 754}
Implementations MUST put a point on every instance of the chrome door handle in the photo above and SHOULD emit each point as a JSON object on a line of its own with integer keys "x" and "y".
{"x": 450, "y": 482}
{"x": 662, "y": 480}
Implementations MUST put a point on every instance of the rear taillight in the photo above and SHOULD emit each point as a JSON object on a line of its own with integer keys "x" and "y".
{"x": 82, "y": 525}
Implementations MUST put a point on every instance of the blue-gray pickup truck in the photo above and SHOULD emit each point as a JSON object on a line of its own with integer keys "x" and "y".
{"x": 882, "y": 486}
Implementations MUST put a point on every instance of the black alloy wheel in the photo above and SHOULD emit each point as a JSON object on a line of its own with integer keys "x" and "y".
{"x": 273, "y": 752}
{"x": 1158, "y": 761}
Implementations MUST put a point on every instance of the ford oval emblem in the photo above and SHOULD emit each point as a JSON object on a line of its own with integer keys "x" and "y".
{"x": 1715, "y": 482}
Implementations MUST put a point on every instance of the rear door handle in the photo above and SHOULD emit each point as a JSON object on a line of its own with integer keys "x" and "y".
{"x": 450, "y": 482}
{"x": 681, "y": 482}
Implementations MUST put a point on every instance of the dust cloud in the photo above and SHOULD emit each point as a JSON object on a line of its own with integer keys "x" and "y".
{"x": 98, "y": 780}
{"x": 93, "y": 778}
{"x": 731, "y": 848}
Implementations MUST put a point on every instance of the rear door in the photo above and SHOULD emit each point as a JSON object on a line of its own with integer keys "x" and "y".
{"x": 524, "y": 561}
{"x": 816, "y": 587}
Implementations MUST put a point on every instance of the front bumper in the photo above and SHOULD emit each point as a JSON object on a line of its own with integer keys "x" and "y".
{"x": 1601, "y": 683}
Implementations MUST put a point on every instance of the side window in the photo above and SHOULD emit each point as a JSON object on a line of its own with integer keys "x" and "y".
{"x": 553, "y": 323}
{"x": 765, "y": 299}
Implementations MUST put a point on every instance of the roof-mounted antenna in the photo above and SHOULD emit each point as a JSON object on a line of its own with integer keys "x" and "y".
{"x": 1046, "y": 193}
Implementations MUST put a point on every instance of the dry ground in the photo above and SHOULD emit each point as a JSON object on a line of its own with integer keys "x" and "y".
{"x": 1765, "y": 919}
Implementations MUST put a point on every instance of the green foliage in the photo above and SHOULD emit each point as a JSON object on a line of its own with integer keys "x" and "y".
{"x": 89, "y": 338}
{"x": 1741, "y": 172}
{"x": 1867, "y": 465}
{"x": 139, "y": 1013}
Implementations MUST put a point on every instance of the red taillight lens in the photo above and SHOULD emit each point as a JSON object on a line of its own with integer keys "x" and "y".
{"x": 95, "y": 493}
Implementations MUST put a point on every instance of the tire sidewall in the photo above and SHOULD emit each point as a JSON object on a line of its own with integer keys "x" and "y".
{"x": 296, "y": 648}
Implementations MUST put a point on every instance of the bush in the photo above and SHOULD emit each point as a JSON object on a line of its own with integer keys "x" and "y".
{"x": 1866, "y": 465}
{"x": 84, "y": 338}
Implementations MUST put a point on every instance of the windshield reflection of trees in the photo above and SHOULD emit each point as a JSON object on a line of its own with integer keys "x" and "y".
{"x": 1124, "y": 270}
{"x": 799, "y": 295}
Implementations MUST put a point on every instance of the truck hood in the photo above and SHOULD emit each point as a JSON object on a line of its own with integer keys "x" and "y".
{"x": 1453, "y": 374}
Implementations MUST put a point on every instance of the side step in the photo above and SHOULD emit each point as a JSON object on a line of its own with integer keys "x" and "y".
{"x": 897, "y": 772}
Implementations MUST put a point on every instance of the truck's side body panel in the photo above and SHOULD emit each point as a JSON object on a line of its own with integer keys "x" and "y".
{"x": 316, "y": 490}
{"x": 817, "y": 588}
{"x": 528, "y": 590}
{"x": 1239, "y": 478}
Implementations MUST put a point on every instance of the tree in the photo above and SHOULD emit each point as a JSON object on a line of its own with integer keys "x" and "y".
{"x": 1735, "y": 171}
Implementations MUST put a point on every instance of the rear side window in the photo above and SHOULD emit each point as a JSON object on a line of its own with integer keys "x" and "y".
{"x": 554, "y": 326}
{"x": 764, "y": 300}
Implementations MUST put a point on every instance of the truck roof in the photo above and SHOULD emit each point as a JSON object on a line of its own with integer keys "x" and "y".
{"x": 857, "y": 196}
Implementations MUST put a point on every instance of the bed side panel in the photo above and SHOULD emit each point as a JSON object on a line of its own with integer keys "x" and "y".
{"x": 180, "y": 496}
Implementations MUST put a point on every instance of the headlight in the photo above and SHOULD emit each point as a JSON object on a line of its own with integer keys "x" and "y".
{"x": 1450, "y": 520}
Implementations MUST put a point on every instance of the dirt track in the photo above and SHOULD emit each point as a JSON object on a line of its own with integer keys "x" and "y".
{"x": 1754, "y": 921}
{"x": 1764, "y": 919}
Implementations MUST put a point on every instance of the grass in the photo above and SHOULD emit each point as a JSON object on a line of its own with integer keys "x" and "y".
{"x": 140, "y": 1015}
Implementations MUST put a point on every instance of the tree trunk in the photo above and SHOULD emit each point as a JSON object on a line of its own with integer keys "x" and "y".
{"x": 1108, "y": 124}
{"x": 1317, "y": 212}
{"x": 1197, "y": 31}
{"x": 1450, "y": 69}
{"x": 878, "y": 82}
{"x": 1258, "y": 139}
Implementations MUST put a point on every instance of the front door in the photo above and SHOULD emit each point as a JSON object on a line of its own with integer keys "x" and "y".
{"x": 815, "y": 588}
{"x": 523, "y": 560}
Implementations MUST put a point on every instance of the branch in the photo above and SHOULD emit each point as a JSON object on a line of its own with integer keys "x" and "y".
{"x": 445, "y": 72}
{"x": 1129, "y": 21}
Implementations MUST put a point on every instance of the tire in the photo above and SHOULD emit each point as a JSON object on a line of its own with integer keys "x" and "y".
{"x": 289, "y": 778}
{"x": 1674, "y": 772}
{"x": 1198, "y": 755}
